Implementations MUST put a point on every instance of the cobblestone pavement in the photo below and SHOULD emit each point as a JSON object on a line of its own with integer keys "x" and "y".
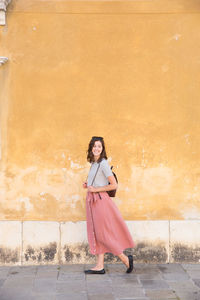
{"x": 149, "y": 281}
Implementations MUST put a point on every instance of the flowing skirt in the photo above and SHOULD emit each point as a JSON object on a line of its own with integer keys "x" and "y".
{"x": 106, "y": 229}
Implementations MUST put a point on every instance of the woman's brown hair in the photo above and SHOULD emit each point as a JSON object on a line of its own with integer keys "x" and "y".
{"x": 90, "y": 155}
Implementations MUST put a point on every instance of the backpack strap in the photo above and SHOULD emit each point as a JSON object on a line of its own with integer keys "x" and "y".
{"x": 95, "y": 174}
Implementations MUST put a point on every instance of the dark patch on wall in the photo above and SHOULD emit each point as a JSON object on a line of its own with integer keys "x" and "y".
{"x": 29, "y": 253}
{"x": 8, "y": 255}
{"x": 183, "y": 253}
{"x": 143, "y": 252}
{"x": 149, "y": 253}
{"x": 68, "y": 254}
{"x": 110, "y": 258}
{"x": 50, "y": 251}
{"x": 77, "y": 253}
{"x": 87, "y": 251}
{"x": 46, "y": 253}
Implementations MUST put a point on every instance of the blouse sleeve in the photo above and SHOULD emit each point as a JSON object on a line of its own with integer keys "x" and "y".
{"x": 106, "y": 168}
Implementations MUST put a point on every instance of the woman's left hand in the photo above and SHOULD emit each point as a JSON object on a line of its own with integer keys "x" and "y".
{"x": 91, "y": 189}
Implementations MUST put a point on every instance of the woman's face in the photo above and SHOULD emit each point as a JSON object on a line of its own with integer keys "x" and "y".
{"x": 97, "y": 149}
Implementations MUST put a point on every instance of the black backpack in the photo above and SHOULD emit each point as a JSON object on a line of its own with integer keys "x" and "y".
{"x": 113, "y": 192}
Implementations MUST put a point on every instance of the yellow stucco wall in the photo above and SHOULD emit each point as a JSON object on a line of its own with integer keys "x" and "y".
{"x": 128, "y": 71}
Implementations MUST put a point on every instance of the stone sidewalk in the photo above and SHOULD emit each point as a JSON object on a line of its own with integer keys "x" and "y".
{"x": 149, "y": 281}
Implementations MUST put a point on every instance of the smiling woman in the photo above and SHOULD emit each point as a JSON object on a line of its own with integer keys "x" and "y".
{"x": 106, "y": 229}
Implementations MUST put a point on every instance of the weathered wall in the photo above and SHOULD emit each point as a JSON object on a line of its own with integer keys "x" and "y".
{"x": 125, "y": 70}
{"x": 48, "y": 242}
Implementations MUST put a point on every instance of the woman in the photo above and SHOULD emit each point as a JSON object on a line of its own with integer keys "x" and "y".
{"x": 106, "y": 229}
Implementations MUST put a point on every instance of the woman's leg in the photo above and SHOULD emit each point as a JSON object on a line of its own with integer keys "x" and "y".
{"x": 100, "y": 262}
{"x": 124, "y": 259}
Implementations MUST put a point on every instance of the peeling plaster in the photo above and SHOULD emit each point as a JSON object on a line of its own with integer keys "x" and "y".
{"x": 28, "y": 187}
{"x": 27, "y": 203}
{"x": 156, "y": 180}
{"x": 74, "y": 200}
{"x": 74, "y": 165}
{"x": 187, "y": 138}
{"x": 175, "y": 37}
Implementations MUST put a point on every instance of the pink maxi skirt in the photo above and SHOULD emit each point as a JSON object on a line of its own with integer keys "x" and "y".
{"x": 106, "y": 229}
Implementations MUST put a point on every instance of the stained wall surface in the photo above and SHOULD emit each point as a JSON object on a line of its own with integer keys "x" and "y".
{"x": 125, "y": 70}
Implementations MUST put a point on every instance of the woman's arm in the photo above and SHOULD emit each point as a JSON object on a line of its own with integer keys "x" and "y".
{"x": 112, "y": 186}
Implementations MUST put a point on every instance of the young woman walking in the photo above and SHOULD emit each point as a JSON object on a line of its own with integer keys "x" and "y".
{"x": 106, "y": 229}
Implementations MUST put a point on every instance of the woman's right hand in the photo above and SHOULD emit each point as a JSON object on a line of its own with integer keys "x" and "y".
{"x": 85, "y": 185}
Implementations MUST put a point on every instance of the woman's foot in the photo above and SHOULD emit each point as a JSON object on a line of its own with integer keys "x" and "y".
{"x": 130, "y": 268}
{"x": 97, "y": 268}
{"x": 95, "y": 272}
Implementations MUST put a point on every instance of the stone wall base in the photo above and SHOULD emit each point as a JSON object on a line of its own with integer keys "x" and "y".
{"x": 46, "y": 242}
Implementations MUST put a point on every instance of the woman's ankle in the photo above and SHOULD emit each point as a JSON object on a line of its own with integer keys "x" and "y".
{"x": 100, "y": 267}
{"x": 124, "y": 259}
{"x": 97, "y": 268}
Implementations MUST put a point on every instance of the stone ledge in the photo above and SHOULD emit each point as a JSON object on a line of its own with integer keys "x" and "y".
{"x": 52, "y": 242}
{"x": 3, "y": 60}
{"x": 106, "y": 7}
{"x": 3, "y": 7}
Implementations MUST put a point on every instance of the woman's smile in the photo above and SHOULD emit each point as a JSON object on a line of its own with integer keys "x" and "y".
{"x": 97, "y": 149}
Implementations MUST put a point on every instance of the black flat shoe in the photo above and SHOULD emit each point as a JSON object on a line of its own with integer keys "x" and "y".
{"x": 95, "y": 272}
{"x": 130, "y": 269}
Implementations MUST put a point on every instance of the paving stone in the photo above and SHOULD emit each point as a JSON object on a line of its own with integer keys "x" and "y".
{"x": 158, "y": 294}
{"x": 52, "y": 271}
{"x": 175, "y": 298}
{"x": 132, "y": 298}
{"x": 191, "y": 266}
{"x": 171, "y": 268}
{"x": 48, "y": 267}
{"x": 146, "y": 266}
{"x": 194, "y": 273}
{"x": 22, "y": 271}
{"x": 70, "y": 282}
{"x": 96, "y": 288}
{"x": 73, "y": 268}
{"x": 70, "y": 286}
{"x": 123, "y": 276}
{"x": 126, "y": 282}
{"x": 65, "y": 276}
{"x": 4, "y": 271}
{"x": 99, "y": 297}
{"x": 188, "y": 295}
{"x": 175, "y": 276}
{"x": 15, "y": 294}
{"x": 152, "y": 276}
{"x": 72, "y": 296}
{"x": 37, "y": 296}
{"x": 146, "y": 271}
{"x": 197, "y": 282}
{"x": 98, "y": 278}
{"x": 23, "y": 283}
{"x": 2, "y": 282}
{"x": 186, "y": 284}
{"x": 128, "y": 291}
{"x": 44, "y": 285}
{"x": 47, "y": 275}
{"x": 154, "y": 284}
